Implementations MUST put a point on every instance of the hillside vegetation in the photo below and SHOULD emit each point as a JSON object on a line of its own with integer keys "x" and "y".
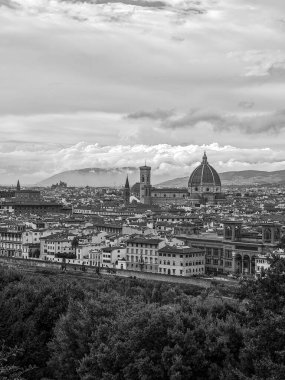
{"x": 52, "y": 327}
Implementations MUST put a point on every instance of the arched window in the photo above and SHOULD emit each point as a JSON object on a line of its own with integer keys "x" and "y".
{"x": 267, "y": 235}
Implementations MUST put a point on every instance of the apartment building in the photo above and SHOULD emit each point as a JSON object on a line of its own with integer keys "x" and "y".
{"x": 181, "y": 261}
{"x": 142, "y": 254}
{"x": 53, "y": 245}
{"x": 11, "y": 241}
{"x": 111, "y": 256}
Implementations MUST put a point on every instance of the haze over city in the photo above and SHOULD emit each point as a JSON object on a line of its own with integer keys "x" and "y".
{"x": 110, "y": 84}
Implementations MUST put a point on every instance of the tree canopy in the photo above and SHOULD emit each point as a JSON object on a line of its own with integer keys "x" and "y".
{"x": 127, "y": 329}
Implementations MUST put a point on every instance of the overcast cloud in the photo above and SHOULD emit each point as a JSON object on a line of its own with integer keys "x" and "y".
{"x": 110, "y": 83}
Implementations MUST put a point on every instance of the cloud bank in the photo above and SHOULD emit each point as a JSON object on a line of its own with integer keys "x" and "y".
{"x": 167, "y": 161}
{"x": 136, "y": 79}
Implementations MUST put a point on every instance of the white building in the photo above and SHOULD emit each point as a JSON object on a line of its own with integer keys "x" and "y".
{"x": 52, "y": 245}
{"x": 181, "y": 261}
{"x": 111, "y": 256}
{"x": 142, "y": 254}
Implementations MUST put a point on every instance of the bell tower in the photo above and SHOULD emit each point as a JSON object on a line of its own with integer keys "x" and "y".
{"x": 145, "y": 185}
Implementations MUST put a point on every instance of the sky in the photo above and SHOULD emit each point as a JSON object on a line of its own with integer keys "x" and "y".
{"x": 87, "y": 83}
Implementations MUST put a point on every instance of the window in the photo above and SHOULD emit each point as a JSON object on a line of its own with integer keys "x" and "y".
{"x": 228, "y": 254}
{"x": 216, "y": 252}
{"x": 209, "y": 251}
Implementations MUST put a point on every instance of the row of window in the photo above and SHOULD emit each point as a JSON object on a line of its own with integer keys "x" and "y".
{"x": 141, "y": 251}
{"x": 174, "y": 263}
{"x": 12, "y": 245}
{"x": 138, "y": 259}
{"x": 142, "y": 245}
{"x": 174, "y": 272}
{"x": 165, "y": 196}
{"x": 181, "y": 256}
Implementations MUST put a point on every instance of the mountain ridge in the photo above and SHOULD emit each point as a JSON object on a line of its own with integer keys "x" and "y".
{"x": 240, "y": 177}
{"x": 116, "y": 177}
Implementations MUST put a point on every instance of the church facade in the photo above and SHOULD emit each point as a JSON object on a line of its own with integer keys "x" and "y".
{"x": 204, "y": 187}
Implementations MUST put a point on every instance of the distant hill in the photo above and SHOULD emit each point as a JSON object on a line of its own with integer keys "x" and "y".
{"x": 244, "y": 177}
{"x": 116, "y": 177}
{"x": 93, "y": 177}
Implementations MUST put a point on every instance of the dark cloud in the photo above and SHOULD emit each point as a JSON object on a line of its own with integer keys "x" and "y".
{"x": 9, "y": 3}
{"x": 152, "y": 115}
{"x": 277, "y": 69}
{"x": 251, "y": 124}
{"x": 270, "y": 123}
{"x": 139, "y": 3}
{"x": 246, "y": 104}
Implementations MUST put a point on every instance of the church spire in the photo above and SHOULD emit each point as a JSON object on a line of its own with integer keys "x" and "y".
{"x": 127, "y": 192}
{"x": 127, "y": 185}
{"x": 18, "y": 186}
{"x": 205, "y": 160}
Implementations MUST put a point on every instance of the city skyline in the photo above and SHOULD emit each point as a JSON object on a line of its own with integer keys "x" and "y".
{"x": 112, "y": 84}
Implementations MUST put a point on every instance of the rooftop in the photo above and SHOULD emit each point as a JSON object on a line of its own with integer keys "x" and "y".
{"x": 180, "y": 249}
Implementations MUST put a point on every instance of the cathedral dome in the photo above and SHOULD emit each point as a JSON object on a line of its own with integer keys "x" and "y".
{"x": 204, "y": 175}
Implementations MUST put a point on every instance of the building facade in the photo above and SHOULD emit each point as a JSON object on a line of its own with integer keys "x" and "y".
{"x": 236, "y": 252}
{"x": 142, "y": 254}
{"x": 181, "y": 261}
{"x": 11, "y": 241}
{"x": 204, "y": 187}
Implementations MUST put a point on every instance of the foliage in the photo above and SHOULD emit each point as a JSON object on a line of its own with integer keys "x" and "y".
{"x": 125, "y": 329}
{"x": 8, "y": 370}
